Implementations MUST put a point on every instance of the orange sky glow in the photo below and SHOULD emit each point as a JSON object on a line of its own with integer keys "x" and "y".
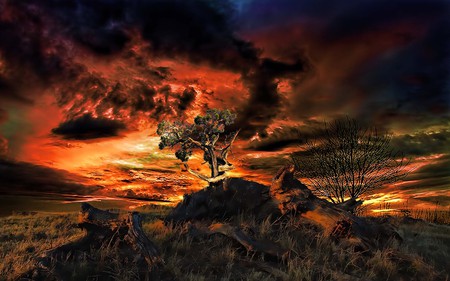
{"x": 85, "y": 108}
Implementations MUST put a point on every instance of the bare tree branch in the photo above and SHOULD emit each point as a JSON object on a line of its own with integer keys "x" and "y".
{"x": 349, "y": 161}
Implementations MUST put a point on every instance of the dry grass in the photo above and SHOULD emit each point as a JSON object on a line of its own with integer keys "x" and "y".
{"x": 424, "y": 255}
{"x": 433, "y": 215}
{"x": 23, "y": 237}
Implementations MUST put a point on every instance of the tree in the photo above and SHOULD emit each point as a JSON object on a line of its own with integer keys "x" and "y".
{"x": 208, "y": 133}
{"x": 349, "y": 160}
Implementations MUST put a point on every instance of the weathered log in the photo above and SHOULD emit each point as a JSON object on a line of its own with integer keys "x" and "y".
{"x": 104, "y": 229}
{"x": 126, "y": 227}
{"x": 350, "y": 205}
{"x": 266, "y": 267}
{"x": 294, "y": 197}
{"x": 266, "y": 247}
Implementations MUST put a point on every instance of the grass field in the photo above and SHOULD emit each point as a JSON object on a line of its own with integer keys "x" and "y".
{"x": 423, "y": 255}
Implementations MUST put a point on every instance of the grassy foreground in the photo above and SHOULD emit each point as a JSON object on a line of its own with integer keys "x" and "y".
{"x": 424, "y": 254}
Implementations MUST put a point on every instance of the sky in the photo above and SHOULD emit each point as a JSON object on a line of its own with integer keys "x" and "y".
{"x": 84, "y": 83}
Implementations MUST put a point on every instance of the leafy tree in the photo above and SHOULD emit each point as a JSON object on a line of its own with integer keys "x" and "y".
{"x": 207, "y": 133}
{"x": 349, "y": 160}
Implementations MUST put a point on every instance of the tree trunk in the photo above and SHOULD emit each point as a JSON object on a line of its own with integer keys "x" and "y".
{"x": 213, "y": 163}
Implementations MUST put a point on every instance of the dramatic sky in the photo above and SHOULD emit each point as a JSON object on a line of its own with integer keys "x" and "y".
{"x": 83, "y": 84}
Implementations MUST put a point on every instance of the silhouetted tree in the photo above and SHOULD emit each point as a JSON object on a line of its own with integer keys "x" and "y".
{"x": 349, "y": 160}
{"x": 208, "y": 133}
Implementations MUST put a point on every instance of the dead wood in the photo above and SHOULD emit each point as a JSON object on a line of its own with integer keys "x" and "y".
{"x": 350, "y": 205}
{"x": 266, "y": 267}
{"x": 286, "y": 195}
{"x": 103, "y": 230}
{"x": 266, "y": 247}
{"x": 294, "y": 197}
{"x": 126, "y": 228}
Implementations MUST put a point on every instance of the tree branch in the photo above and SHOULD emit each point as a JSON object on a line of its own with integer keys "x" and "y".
{"x": 197, "y": 143}
{"x": 219, "y": 178}
{"x": 224, "y": 152}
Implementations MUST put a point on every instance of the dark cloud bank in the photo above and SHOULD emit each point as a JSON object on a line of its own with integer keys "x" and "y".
{"x": 402, "y": 73}
{"x": 27, "y": 178}
{"x": 88, "y": 127}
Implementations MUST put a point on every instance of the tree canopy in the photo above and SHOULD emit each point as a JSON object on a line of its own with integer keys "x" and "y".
{"x": 209, "y": 134}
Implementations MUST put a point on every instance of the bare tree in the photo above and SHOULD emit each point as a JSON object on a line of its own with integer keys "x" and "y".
{"x": 349, "y": 160}
{"x": 208, "y": 133}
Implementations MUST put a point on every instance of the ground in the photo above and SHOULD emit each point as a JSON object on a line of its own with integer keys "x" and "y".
{"x": 423, "y": 255}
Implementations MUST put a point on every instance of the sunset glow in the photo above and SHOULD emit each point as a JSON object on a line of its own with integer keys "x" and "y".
{"x": 81, "y": 110}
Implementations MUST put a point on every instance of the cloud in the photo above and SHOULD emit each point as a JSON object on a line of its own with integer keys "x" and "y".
{"x": 358, "y": 17}
{"x": 3, "y": 115}
{"x": 265, "y": 100}
{"x": 382, "y": 61}
{"x": 21, "y": 177}
{"x": 431, "y": 176}
{"x": 281, "y": 137}
{"x": 423, "y": 143}
{"x": 133, "y": 34}
{"x": 3, "y": 140}
{"x": 88, "y": 127}
{"x": 3, "y": 146}
{"x": 186, "y": 99}
{"x": 376, "y": 60}
{"x": 7, "y": 92}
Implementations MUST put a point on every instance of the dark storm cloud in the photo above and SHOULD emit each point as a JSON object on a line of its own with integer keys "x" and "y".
{"x": 414, "y": 81}
{"x": 388, "y": 86}
{"x": 431, "y": 176}
{"x": 134, "y": 98}
{"x": 409, "y": 82}
{"x": 24, "y": 44}
{"x": 169, "y": 103}
{"x": 3, "y": 146}
{"x": 3, "y": 141}
{"x": 423, "y": 144}
{"x": 7, "y": 92}
{"x": 263, "y": 104}
{"x": 344, "y": 18}
{"x": 21, "y": 177}
{"x": 392, "y": 56}
{"x": 358, "y": 17}
{"x": 3, "y": 115}
{"x": 87, "y": 127}
{"x": 186, "y": 98}
{"x": 286, "y": 136}
{"x": 198, "y": 31}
